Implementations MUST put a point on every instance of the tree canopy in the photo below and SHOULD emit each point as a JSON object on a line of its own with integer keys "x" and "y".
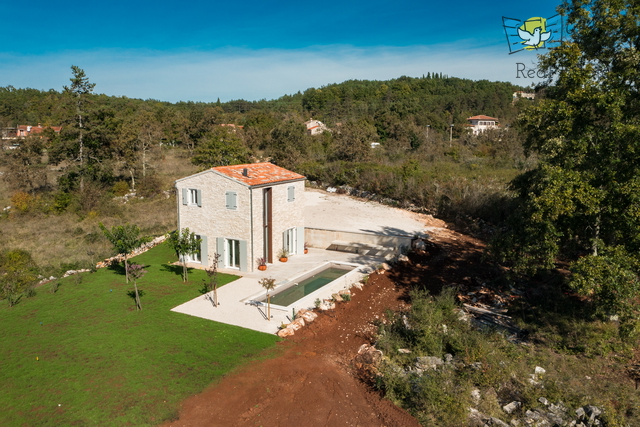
{"x": 584, "y": 196}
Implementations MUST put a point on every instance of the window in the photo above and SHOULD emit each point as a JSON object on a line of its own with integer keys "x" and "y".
{"x": 291, "y": 193}
{"x": 192, "y": 197}
{"x": 233, "y": 253}
{"x": 290, "y": 239}
{"x": 231, "y": 200}
{"x": 200, "y": 254}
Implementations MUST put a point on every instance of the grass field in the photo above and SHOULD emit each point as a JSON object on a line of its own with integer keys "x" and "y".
{"x": 84, "y": 356}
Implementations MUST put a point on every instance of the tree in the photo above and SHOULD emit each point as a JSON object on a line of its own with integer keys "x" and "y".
{"x": 269, "y": 283}
{"x": 26, "y": 168}
{"x": 125, "y": 238}
{"x": 184, "y": 243}
{"x": 583, "y": 199}
{"x": 220, "y": 147}
{"x": 18, "y": 272}
{"x": 79, "y": 89}
{"x": 354, "y": 140}
{"x": 136, "y": 271}
{"x": 288, "y": 144}
{"x": 136, "y": 137}
{"x": 212, "y": 273}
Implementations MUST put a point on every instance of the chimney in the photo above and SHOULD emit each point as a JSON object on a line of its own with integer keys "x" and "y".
{"x": 245, "y": 172}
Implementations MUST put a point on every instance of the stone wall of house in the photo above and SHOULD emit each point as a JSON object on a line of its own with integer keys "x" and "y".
{"x": 287, "y": 214}
{"x": 213, "y": 219}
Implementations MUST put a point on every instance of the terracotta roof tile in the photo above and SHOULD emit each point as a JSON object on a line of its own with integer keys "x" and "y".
{"x": 258, "y": 173}
{"x": 482, "y": 117}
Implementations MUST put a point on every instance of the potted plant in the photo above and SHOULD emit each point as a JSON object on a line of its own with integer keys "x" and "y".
{"x": 262, "y": 263}
{"x": 306, "y": 248}
{"x": 283, "y": 254}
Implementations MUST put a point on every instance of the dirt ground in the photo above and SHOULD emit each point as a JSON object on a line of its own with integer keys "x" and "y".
{"x": 312, "y": 382}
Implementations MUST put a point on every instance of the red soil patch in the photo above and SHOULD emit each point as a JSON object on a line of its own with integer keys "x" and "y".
{"x": 313, "y": 382}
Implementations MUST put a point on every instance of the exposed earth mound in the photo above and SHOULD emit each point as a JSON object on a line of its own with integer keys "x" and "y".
{"x": 315, "y": 380}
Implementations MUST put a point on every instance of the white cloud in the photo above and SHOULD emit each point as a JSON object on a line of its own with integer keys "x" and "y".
{"x": 235, "y": 73}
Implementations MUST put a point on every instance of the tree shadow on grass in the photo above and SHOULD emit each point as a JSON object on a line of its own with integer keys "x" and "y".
{"x": 175, "y": 269}
{"x": 118, "y": 268}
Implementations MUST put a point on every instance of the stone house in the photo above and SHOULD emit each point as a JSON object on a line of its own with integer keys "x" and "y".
{"x": 243, "y": 212}
{"x": 315, "y": 127}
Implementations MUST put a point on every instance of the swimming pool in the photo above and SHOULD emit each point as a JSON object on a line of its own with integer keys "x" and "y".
{"x": 321, "y": 282}
{"x": 306, "y": 286}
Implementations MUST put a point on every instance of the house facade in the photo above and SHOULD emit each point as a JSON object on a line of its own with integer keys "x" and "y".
{"x": 242, "y": 213}
{"x": 479, "y": 124}
{"x": 315, "y": 127}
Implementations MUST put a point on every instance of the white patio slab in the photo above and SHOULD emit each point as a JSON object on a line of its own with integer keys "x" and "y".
{"x": 234, "y": 311}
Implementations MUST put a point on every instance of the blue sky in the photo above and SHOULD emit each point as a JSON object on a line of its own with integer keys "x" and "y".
{"x": 202, "y": 51}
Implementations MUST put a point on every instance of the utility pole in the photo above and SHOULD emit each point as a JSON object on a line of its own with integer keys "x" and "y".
{"x": 450, "y": 134}
{"x": 428, "y": 126}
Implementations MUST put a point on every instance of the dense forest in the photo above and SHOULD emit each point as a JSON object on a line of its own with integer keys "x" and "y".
{"x": 106, "y": 139}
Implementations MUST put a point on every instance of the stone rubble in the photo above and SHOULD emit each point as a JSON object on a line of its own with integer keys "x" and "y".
{"x": 309, "y": 316}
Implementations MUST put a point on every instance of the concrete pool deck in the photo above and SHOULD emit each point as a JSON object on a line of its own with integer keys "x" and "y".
{"x": 234, "y": 311}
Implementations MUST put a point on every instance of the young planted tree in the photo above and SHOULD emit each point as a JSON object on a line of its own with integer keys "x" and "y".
{"x": 269, "y": 283}
{"x": 136, "y": 271}
{"x": 184, "y": 243}
{"x": 125, "y": 238}
{"x": 212, "y": 273}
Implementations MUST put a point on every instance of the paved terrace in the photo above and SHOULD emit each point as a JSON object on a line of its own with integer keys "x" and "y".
{"x": 322, "y": 210}
{"x": 234, "y": 311}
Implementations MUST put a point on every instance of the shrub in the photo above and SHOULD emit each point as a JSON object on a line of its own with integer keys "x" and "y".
{"x": 149, "y": 186}
{"x": 22, "y": 202}
{"x": 120, "y": 188}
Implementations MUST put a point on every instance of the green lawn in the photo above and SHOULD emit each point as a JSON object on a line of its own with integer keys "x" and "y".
{"x": 101, "y": 362}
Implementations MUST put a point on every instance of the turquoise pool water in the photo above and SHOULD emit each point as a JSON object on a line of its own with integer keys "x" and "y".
{"x": 305, "y": 287}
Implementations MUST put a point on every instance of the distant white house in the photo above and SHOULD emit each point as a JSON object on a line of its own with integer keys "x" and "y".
{"x": 315, "y": 127}
{"x": 243, "y": 212}
{"x": 479, "y": 124}
{"x": 520, "y": 94}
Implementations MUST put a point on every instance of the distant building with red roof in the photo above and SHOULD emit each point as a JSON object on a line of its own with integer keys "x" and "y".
{"x": 315, "y": 127}
{"x": 481, "y": 123}
{"x": 243, "y": 212}
{"x": 26, "y": 130}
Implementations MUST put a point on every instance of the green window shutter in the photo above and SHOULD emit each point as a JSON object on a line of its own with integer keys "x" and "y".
{"x": 199, "y": 197}
{"x": 291, "y": 193}
{"x": 300, "y": 240}
{"x": 243, "y": 256}
{"x": 204, "y": 251}
{"x": 184, "y": 196}
{"x": 231, "y": 199}
{"x": 220, "y": 250}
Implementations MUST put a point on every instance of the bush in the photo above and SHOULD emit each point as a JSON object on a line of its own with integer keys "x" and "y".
{"x": 120, "y": 188}
{"x": 149, "y": 186}
{"x": 22, "y": 202}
